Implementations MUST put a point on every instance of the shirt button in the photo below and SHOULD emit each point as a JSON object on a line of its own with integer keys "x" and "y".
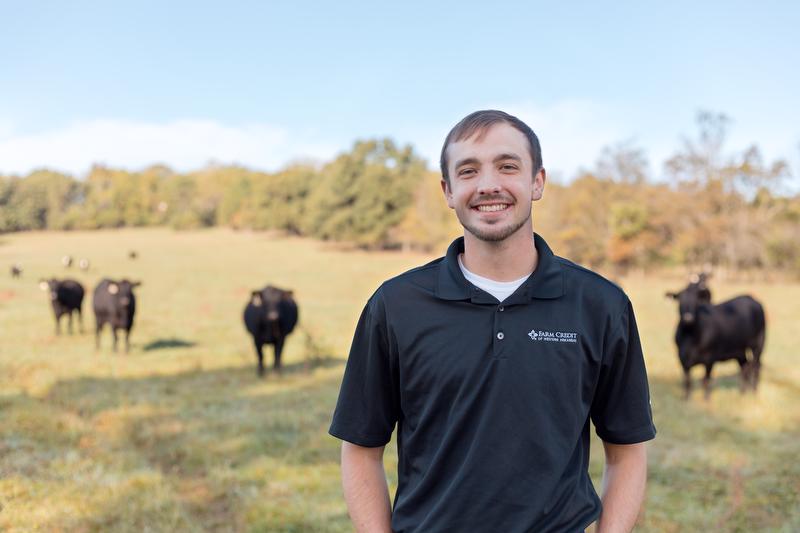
{"x": 501, "y": 308}
{"x": 500, "y": 335}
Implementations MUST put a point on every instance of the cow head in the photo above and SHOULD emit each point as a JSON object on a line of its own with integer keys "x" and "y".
{"x": 50, "y": 286}
{"x": 269, "y": 298}
{"x": 693, "y": 296}
{"x": 122, "y": 291}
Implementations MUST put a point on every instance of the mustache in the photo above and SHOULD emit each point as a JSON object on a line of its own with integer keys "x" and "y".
{"x": 493, "y": 198}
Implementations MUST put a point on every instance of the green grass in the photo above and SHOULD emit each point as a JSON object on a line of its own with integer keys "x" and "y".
{"x": 180, "y": 434}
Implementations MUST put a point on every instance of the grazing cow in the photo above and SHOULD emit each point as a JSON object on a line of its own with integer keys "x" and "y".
{"x": 83, "y": 264}
{"x": 708, "y": 333}
{"x": 16, "y": 270}
{"x": 66, "y": 296}
{"x": 132, "y": 254}
{"x": 114, "y": 304}
{"x": 66, "y": 261}
{"x": 270, "y": 315}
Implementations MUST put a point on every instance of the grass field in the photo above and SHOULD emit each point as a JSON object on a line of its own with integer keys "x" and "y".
{"x": 180, "y": 434}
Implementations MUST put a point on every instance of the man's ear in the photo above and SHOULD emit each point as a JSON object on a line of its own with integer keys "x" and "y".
{"x": 448, "y": 194}
{"x": 538, "y": 184}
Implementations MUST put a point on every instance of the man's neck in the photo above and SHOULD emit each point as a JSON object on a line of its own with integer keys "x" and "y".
{"x": 507, "y": 260}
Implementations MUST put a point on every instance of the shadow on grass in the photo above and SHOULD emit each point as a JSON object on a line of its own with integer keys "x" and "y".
{"x": 162, "y": 344}
{"x": 703, "y": 449}
{"x": 239, "y": 453}
{"x": 209, "y": 434}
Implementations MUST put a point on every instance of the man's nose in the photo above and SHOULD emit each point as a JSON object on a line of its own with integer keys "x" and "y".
{"x": 488, "y": 183}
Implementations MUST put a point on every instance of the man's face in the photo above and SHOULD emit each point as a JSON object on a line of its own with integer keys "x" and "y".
{"x": 492, "y": 183}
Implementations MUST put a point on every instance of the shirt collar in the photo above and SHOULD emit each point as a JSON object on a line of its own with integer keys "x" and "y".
{"x": 546, "y": 282}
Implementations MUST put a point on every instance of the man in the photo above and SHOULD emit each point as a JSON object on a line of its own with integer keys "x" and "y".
{"x": 491, "y": 361}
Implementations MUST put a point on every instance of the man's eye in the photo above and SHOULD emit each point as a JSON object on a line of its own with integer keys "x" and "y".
{"x": 466, "y": 171}
{"x": 509, "y": 166}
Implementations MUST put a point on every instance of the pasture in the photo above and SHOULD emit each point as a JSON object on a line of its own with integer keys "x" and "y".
{"x": 180, "y": 434}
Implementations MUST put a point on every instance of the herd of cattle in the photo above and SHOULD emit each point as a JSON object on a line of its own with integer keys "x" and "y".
{"x": 270, "y": 315}
{"x": 706, "y": 333}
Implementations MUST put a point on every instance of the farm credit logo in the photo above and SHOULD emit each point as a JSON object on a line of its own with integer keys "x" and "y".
{"x": 541, "y": 335}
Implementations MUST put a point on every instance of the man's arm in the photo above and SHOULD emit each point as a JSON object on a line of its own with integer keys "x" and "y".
{"x": 624, "y": 480}
{"x": 365, "y": 489}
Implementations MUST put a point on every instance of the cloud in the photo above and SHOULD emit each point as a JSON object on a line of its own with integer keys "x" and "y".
{"x": 181, "y": 144}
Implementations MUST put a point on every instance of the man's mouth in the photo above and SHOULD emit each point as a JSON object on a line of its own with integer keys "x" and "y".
{"x": 488, "y": 208}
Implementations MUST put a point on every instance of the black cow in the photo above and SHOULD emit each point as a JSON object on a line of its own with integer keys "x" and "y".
{"x": 66, "y": 296}
{"x": 708, "y": 333}
{"x": 16, "y": 270}
{"x": 270, "y": 315}
{"x": 114, "y": 304}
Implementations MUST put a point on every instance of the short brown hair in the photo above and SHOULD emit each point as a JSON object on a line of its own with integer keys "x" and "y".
{"x": 479, "y": 122}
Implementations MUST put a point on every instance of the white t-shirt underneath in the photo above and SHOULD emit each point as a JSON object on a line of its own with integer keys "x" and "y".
{"x": 499, "y": 289}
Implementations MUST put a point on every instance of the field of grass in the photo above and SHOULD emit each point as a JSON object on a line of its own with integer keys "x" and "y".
{"x": 180, "y": 434}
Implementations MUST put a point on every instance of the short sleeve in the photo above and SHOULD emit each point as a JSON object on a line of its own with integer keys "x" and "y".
{"x": 621, "y": 410}
{"x": 368, "y": 404}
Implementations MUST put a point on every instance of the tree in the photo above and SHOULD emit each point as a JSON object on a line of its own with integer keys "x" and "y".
{"x": 721, "y": 228}
{"x": 364, "y": 193}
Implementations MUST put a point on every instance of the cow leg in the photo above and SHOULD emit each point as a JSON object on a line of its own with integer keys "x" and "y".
{"x": 58, "y": 324}
{"x": 127, "y": 340}
{"x": 278, "y": 351}
{"x": 114, "y": 333}
{"x": 755, "y": 370}
{"x": 755, "y": 373}
{"x": 687, "y": 383}
{"x": 80, "y": 319}
{"x": 260, "y": 354}
{"x": 707, "y": 382}
{"x": 97, "y": 330}
{"x": 745, "y": 370}
{"x": 70, "y": 322}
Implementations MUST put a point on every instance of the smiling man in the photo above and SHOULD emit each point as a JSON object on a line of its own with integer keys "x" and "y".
{"x": 491, "y": 362}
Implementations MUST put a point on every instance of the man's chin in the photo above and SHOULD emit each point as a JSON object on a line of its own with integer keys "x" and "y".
{"x": 492, "y": 234}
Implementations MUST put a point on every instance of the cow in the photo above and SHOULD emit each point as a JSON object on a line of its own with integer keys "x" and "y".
{"x": 83, "y": 264}
{"x": 132, "y": 254}
{"x": 16, "y": 270}
{"x": 66, "y": 261}
{"x": 270, "y": 315}
{"x": 708, "y": 333}
{"x": 114, "y": 304}
{"x": 66, "y": 296}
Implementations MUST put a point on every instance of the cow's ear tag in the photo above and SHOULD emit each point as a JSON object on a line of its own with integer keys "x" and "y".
{"x": 43, "y": 285}
{"x": 257, "y": 299}
{"x": 113, "y": 288}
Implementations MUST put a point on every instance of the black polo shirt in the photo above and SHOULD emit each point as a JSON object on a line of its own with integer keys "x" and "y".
{"x": 492, "y": 400}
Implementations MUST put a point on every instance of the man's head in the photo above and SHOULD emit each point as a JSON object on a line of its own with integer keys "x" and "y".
{"x": 491, "y": 174}
{"x": 477, "y": 124}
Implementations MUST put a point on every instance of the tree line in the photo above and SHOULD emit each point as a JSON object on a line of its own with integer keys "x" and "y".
{"x": 715, "y": 210}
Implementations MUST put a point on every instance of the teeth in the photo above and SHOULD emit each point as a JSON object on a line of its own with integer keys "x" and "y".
{"x": 493, "y": 207}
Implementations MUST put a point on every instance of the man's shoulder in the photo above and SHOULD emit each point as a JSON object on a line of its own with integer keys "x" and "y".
{"x": 590, "y": 282}
{"x": 422, "y": 277}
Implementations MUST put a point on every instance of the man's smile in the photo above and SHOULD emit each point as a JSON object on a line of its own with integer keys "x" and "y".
{"x": 488, "y": 208}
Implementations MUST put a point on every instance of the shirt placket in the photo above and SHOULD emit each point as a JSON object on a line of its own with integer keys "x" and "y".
{"x": 499, "y": 332}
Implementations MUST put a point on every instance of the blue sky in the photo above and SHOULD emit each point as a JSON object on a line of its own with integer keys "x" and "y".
{"x": 265, "y": 83}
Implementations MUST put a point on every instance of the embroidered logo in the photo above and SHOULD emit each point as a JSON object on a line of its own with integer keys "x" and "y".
{"x": 541, "y": 335}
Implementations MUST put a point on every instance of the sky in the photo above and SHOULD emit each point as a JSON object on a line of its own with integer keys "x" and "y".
{"x": 264, "y": 84}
